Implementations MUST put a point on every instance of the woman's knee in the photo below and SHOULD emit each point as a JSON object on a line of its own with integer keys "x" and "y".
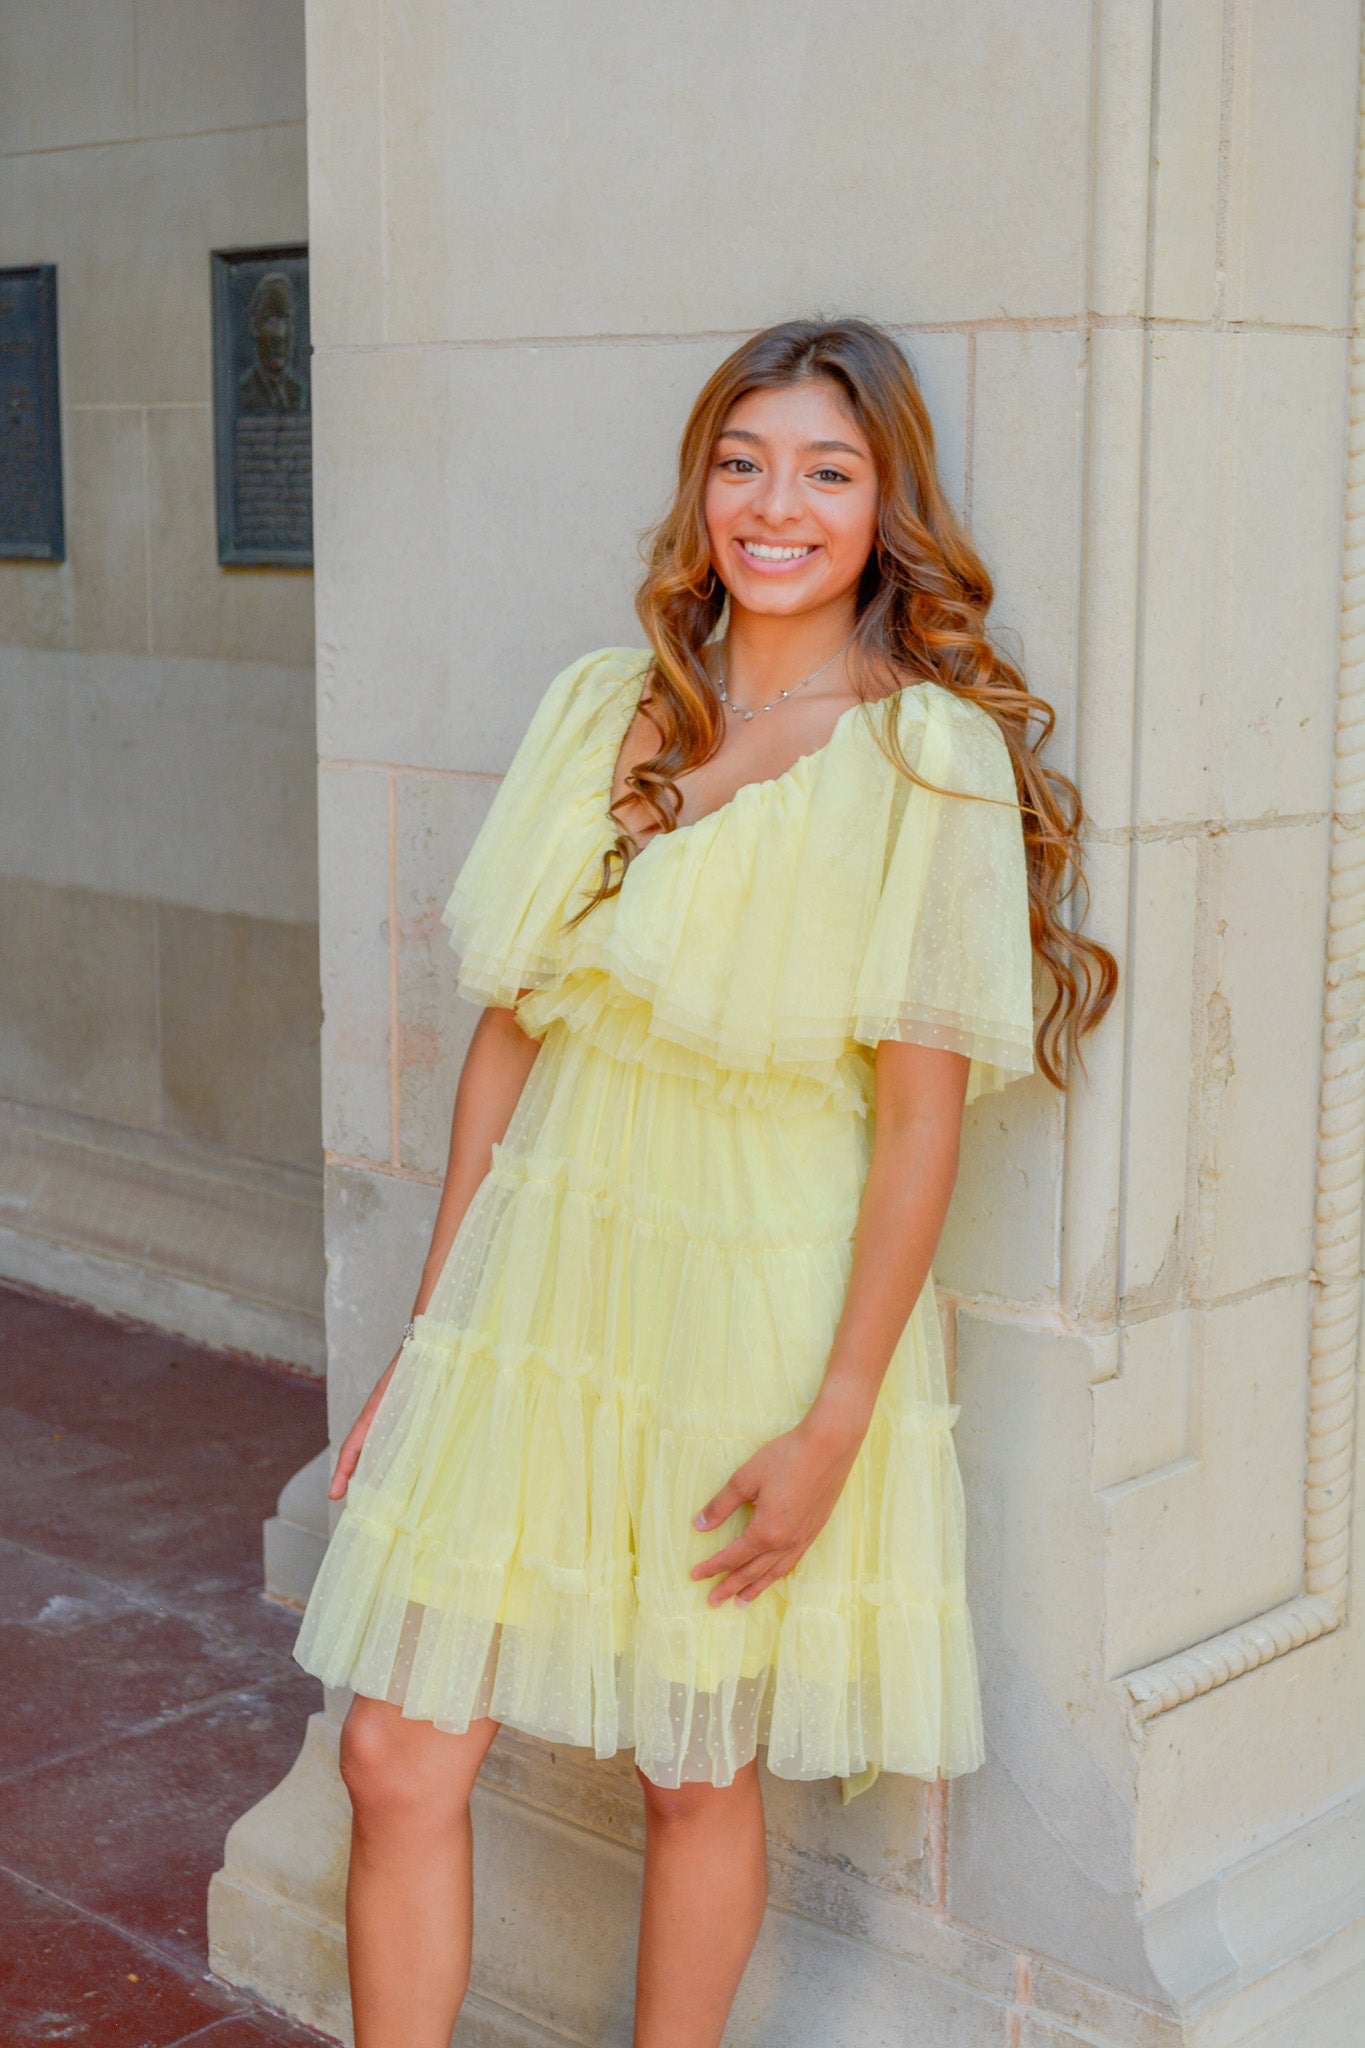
{"x": 700, "y": 1802}
{"x": 390, "y": 1764}
{"x": 372, "y": 1755}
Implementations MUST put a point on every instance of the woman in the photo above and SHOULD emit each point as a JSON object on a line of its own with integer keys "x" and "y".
{"x": 665, "y": 1459}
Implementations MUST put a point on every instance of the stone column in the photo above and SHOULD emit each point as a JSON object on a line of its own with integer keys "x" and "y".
{"x": 160, "y": 1137}
{"x": 1121, "y": 262}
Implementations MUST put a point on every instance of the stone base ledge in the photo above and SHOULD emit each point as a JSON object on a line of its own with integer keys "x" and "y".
{"x": 276, "y": 1910}
{"x": 295, "y": 1536}
{"x": 555, "y": 1930}
{"x": 225, "y": 1251}
{"x": 1252, "y": 1954}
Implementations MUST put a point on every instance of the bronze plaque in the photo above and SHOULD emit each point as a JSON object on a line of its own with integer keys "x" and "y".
{"x": 263, "y": 430}
{"x": 31, "y": 526}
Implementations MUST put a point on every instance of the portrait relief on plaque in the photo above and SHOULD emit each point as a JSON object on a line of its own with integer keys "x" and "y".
{"x": 263, "y": 406}
{"x": 31, "y": 520}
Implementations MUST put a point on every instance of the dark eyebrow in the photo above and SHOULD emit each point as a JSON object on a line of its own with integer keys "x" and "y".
{"x": 812, "y": 447}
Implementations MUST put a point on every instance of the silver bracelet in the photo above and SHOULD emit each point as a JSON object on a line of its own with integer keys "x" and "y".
{"x": 407, "y": 1334}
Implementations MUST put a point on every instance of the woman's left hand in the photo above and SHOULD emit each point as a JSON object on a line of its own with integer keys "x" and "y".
{"x": 793, "y": 1483}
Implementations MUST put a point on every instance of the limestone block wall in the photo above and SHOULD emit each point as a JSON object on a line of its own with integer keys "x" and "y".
{"x": 159, "y": 1067}
{"x": 1119, "y": 244}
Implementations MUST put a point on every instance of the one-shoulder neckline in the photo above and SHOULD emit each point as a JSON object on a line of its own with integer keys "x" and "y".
{"x": 757, "y": 782}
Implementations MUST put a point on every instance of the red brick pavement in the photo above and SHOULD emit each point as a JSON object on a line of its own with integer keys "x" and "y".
{"x": 147, "y": 1693}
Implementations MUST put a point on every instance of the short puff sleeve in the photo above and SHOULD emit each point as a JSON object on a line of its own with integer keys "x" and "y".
{"x": 949, "y": 959}
{"x": 535, "y": 856}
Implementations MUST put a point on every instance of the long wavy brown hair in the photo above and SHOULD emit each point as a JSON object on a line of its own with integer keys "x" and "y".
{"x": 921, "y": 611}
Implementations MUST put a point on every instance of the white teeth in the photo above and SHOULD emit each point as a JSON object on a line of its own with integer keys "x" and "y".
{"x": 766, "y": 554}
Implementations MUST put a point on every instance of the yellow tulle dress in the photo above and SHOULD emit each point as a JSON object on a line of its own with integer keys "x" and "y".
{"x": 646, "y": 1284}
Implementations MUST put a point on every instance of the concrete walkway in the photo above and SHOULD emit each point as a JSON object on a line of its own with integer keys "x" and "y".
{"x": 147, "y": 1694}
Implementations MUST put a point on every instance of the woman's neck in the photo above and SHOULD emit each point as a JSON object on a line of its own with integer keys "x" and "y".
{"x": 761, "y": 655}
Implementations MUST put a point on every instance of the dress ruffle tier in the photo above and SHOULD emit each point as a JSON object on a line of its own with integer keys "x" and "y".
{"x": 645, "y": 1286}
{"x": 817, "y": 912}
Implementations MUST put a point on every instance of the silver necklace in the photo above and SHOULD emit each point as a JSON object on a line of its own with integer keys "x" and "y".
{"x": 790, "y": 691}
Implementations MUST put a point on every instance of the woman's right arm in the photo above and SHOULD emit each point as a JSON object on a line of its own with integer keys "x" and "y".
{"x": 499, "y": 1059}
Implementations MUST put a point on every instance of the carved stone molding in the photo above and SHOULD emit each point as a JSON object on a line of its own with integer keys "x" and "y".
{"x": 1334, "y": 1339}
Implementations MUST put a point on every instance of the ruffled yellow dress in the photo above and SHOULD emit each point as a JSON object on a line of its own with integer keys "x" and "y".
{"x": 646, "y": 1284}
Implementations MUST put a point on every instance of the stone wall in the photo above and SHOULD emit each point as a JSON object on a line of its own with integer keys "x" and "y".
{"x": 159, "y": 1130}
{"x": 1116, "y": 242}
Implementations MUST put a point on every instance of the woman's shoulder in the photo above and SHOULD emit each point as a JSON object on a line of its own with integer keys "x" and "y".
{"x": 612, "y": 659}
{"x": 928, "y": 700}
{"x": 600, "y": 672}
{"x": 945, "y": 735}
{"x": 573, "y": 716}
{"x": 542, "y": 830}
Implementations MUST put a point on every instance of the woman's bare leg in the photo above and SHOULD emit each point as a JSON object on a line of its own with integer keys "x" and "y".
{"x": 410, "y": 1885}
{"x": 706, "y": 1884}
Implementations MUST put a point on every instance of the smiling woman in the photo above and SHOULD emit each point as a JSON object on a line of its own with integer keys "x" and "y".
{"x": 789, "y": 532}
{"x": 666, "y": 1459}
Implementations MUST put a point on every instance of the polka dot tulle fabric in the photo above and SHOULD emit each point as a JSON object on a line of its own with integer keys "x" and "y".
{"x": 645, "y": 1286}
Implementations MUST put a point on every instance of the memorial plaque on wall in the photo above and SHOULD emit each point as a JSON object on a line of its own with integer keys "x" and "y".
{"x": 31, "y": 526}
{"x": 263, "y": 431}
